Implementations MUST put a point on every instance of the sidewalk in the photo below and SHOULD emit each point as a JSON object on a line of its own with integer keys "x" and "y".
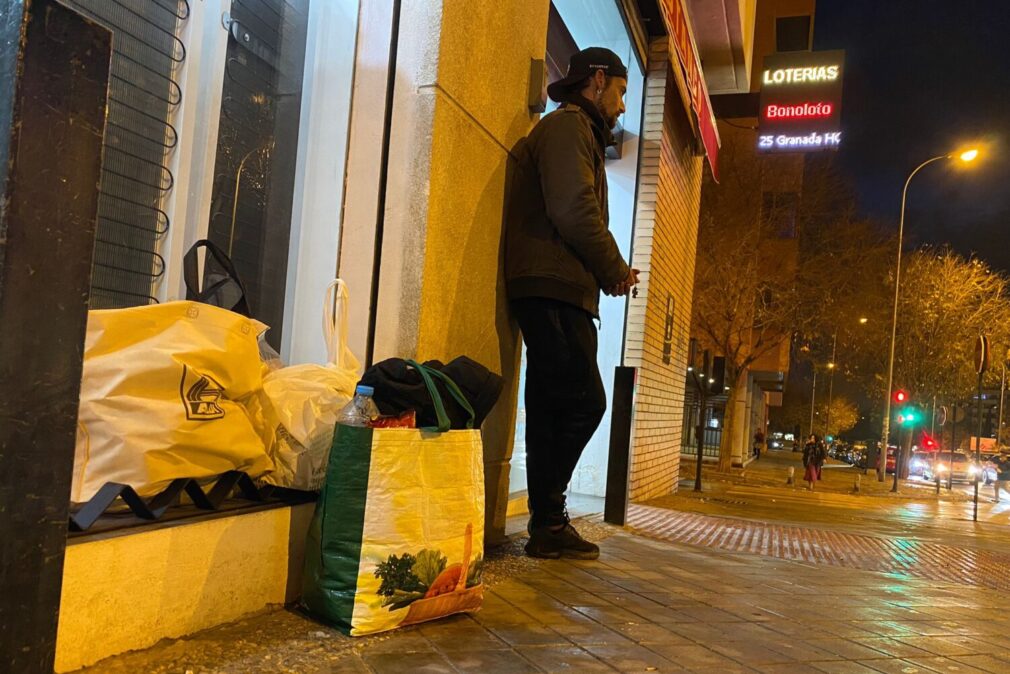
{"x": 645, "y": 605}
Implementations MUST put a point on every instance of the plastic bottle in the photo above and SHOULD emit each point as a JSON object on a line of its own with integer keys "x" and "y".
{"x": 361, "y": 410}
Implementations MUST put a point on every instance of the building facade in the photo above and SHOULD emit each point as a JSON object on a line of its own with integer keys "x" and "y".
{"x": 372, "y": 140}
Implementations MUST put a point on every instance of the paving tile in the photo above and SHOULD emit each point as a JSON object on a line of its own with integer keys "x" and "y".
{"x": 799, "y": 651}
{"x": 790, "y": 668}
{"x": 945, "y": 646}
{"x": 895, "y": 648}
{"x": 645, "y": 633}
{"x": 751, "y": 653}
{"x": 408, "y": 663}
{"x": 630, "y": 657}
{"x": 987, "y": 663}
{"x": 409, "y": 640}
{"x": 609, "y": 615}
{"x": 693, "y": 657}
{"x": 461, "y": 635}
{"x": 491, "y": 662}
{"x": 703, "y": 633}
{"x": 945, "y": 665}
{"x": 570, "y": 659}
{"x": 846, "y": 649}
{"x": 589, "y": 632}
{"x": 528, "y": 635}
{"x": 844, "y": 667}
{"x": 350, "y": 664}
{"x": 892, "y": 666}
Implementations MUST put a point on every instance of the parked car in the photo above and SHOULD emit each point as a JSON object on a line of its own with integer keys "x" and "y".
{"x": 961, "y": 468}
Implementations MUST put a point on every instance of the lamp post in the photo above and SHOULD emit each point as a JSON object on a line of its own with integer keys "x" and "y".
{"x": 813, "y": 397}
{"x": 967, "y": 156}
{"x": 831, "y": 384}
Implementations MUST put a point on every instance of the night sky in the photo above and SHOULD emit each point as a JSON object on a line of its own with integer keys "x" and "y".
{"x": 924, "y": 77}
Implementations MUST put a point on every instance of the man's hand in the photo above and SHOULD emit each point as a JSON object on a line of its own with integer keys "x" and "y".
{"x": 625, "y": 286}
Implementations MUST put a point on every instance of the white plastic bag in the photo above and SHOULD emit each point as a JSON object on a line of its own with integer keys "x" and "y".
{"x": 301, "y": 403}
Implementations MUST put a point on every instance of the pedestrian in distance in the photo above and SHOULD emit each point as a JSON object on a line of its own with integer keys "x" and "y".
{"x": 814, "y": 456}
{"x": 759, "y": 441}
{"x": 1002, "y": 463}
{"x": 559, "y": 256}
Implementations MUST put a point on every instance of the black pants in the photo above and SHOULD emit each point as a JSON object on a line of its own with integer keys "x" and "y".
{"x": 565, "y": 400}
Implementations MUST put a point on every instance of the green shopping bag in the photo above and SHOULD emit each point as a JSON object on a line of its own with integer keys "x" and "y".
{"x": 397, "y": 534}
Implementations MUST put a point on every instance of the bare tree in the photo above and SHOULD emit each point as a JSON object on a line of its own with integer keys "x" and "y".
{"x": 762, "y": 279}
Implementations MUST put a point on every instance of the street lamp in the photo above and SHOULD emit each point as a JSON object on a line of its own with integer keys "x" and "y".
{"x": 965, "y": 156}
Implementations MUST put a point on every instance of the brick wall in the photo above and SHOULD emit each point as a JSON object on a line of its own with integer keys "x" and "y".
{"x": 664, "y": 247}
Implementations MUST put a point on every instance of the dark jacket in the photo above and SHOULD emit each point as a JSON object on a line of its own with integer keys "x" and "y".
{"x": 557, "y": 241}
{"x": 814, "y": 452}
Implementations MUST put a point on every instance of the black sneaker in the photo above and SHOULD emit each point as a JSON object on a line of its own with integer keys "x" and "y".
{"x": 546, "y": 543}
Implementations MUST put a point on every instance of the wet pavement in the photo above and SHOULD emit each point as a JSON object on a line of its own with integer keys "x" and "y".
{"x": 750, "y": 576}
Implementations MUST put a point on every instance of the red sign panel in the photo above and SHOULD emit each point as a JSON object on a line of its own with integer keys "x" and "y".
{"x": 682, "y": 42}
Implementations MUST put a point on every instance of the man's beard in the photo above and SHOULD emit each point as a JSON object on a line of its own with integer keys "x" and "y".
{"x": 611, "y": 120}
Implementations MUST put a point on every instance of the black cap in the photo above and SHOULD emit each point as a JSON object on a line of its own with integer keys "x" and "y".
{"x": 583, "y": 65}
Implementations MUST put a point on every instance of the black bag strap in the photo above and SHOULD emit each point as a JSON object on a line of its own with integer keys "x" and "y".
{"x": 427, "y": 374}
{"x": 191, "y": 276}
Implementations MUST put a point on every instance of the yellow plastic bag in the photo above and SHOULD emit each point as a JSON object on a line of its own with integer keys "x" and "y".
{"x": 162, "y": 397}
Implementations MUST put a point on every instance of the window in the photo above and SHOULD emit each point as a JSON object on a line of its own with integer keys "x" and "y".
{"x": 257, "y": 147}
{"x": 139, "y": 142}
{"x": 778, "y": 213}
{"x": 792, "y": 33}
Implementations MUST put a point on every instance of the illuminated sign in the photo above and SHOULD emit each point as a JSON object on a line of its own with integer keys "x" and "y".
{"x": 801, "y": 100}
{"x": 811, "y": 140}
{"x": 801, "y": 111}
{"x": 797, "y": 75}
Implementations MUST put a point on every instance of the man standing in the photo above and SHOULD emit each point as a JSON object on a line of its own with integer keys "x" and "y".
{"x": 559, "y": 255}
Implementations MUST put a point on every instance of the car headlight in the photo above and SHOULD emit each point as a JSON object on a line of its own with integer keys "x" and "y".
{"x": 973, "y": 470}
{"x": 941, "y": 468}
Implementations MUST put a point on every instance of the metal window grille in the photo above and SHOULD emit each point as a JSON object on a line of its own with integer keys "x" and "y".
{"x": 139, "y": 141}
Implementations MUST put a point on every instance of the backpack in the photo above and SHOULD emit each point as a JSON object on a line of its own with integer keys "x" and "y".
{"x": 399, "y": 387}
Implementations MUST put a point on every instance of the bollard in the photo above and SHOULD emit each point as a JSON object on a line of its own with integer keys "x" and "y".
{"x": 792, "y": 473}
{"x": 857, "y": 485}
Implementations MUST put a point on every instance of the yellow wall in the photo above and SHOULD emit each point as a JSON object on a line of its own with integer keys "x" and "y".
{"x": 462, "y": 107}
{"x": 128, "y": 592}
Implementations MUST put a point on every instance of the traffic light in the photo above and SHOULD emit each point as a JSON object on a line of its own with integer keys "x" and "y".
{"x": 908, "y": 416}
{"x": 900, "y": 396}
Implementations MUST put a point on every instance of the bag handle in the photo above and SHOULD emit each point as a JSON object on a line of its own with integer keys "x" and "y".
{"x": 191, "y": 276}
{"x": 443, "y": 419}
{"x": 444, "y": 424}
{"x": 458, "y": 395}
{"x": 335, "y": 327}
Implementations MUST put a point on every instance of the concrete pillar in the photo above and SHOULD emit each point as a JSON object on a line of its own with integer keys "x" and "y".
{"x": 459, "y": 107}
